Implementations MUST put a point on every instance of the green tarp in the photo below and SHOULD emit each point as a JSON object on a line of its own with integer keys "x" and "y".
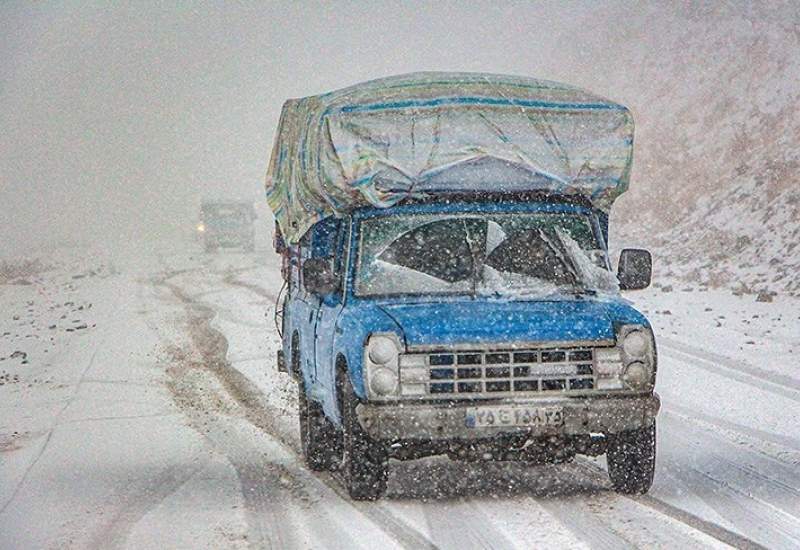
{"x": 428, "y": 134}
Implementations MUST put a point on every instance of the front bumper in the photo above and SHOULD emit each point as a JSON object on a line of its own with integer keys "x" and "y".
{"x": 441, "y": 421}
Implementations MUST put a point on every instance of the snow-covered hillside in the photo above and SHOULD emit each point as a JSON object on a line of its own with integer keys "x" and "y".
{"x": 716, "y": 96}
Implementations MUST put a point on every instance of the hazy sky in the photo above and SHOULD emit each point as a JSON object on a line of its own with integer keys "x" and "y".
{"x": 117, "y": 120}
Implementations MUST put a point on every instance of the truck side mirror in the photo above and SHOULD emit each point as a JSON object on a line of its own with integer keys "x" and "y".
{"x": 318, "y": 276}
{"x": 635, "y": 269}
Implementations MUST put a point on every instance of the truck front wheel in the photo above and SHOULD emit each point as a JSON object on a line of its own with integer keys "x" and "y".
{"x": 317, "y": 435}
{"x": 631, "y": 460}
{"x": 364, "y": 461}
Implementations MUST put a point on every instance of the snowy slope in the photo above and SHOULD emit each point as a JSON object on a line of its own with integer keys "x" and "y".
{"x": 725, "y": 153}
{"x": 715, "y": 92}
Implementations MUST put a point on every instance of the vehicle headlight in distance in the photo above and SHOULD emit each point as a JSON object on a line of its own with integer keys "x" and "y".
{"x": 381, "y": 364}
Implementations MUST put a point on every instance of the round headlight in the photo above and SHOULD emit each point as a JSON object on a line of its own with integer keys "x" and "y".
{"x": 383, "y": 381}
{"x": 635, "y": 344}
{"x": 382, "y": 350}
{"x": 636, "y": 375}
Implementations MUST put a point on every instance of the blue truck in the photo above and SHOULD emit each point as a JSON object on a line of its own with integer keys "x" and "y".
{"x": 464, "y": 306}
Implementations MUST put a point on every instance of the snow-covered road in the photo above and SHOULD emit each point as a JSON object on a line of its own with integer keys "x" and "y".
{"x": 162, "y": 422}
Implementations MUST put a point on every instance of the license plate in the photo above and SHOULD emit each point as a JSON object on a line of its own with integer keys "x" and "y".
{"x": 481, "y": 417}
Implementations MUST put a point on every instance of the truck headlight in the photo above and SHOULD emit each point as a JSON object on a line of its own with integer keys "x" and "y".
{"x": 383, "y": 381}
{"x": 635, "y": 344}
{"x": 636, "y": 375}
{"x": 382, "y": 350}
{"x": 638, "y": 356}
{"x": 630, "y": 364}
{"x": 381, "y": 364}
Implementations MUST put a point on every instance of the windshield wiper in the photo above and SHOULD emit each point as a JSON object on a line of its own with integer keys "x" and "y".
{"x": 581, "y": 291}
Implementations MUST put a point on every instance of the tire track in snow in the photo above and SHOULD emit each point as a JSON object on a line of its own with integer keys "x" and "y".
{"x": 136, "y": 503}
{"x": 583, "y": 505}
{"x": 213, "y": 346}
{"x": 760, "y": 379}
{"x": 461, "y": 525}
{"x": 784, "y": 475}
{"x": 702, "y": 419}
{"x": 734, "y": 484}
{"x": 575, "y": 517}
{"x": 380, "y": 515}
{"x": 709, "y": 528}
{"x": 448, "y": 490}
{"x": 271, "y": 494}
{"x": 231, "y": 280}
{"x": 266, "y": 502}
{"x": 267, "y": 522}
{"x": 282, "y": 509}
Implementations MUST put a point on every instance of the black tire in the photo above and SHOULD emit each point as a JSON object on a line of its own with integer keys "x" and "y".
{"x": 318, "y": 437}
{"x": 631, "y": 460}
{"x": 365, "y": 463}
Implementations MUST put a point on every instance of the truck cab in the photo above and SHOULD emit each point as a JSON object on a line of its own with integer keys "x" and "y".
{"x": 478, "y": 327}
{"x": 227, "y": 224}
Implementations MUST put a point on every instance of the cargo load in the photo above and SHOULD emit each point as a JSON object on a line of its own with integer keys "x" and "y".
{"x": 432, "y": 135}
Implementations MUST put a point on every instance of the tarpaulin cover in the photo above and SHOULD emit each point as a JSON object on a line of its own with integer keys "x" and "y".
{"x": 431, "y": 134}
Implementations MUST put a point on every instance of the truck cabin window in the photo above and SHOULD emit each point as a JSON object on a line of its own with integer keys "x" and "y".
{"x": 325, "y": 241}
{"x": 500, "y": 254}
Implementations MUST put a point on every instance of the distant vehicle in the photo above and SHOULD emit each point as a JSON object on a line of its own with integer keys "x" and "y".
{"x": 227, "y": 224}
{"x": 449, "y": 285}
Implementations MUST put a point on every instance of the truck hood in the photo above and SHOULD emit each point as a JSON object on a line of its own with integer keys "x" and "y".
{"x": 500, "y": 322}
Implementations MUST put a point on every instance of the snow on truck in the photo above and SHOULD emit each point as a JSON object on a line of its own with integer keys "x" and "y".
{"x": 448, "y": 284}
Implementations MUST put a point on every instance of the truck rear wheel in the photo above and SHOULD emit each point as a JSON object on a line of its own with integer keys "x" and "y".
{"x": 364, "y": 461}
{"x": 631, "y": 458}
{"x": 317, "y": 435}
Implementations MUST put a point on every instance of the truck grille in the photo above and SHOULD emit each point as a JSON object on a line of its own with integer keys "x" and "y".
{"x": 497, "y": 373}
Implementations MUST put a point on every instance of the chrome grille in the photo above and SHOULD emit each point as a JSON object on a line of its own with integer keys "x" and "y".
{"x": 497, "y": 373}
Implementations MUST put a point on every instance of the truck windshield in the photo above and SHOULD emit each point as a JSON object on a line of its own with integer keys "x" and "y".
{"x": 225, "y": 216}
{"x": 523, "y": 254}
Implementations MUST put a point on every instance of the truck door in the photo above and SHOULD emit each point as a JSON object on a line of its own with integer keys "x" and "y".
{"x": 324, "y": 240}
{"x": 329, "y": 309}
{"x": 304, "y": 311}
